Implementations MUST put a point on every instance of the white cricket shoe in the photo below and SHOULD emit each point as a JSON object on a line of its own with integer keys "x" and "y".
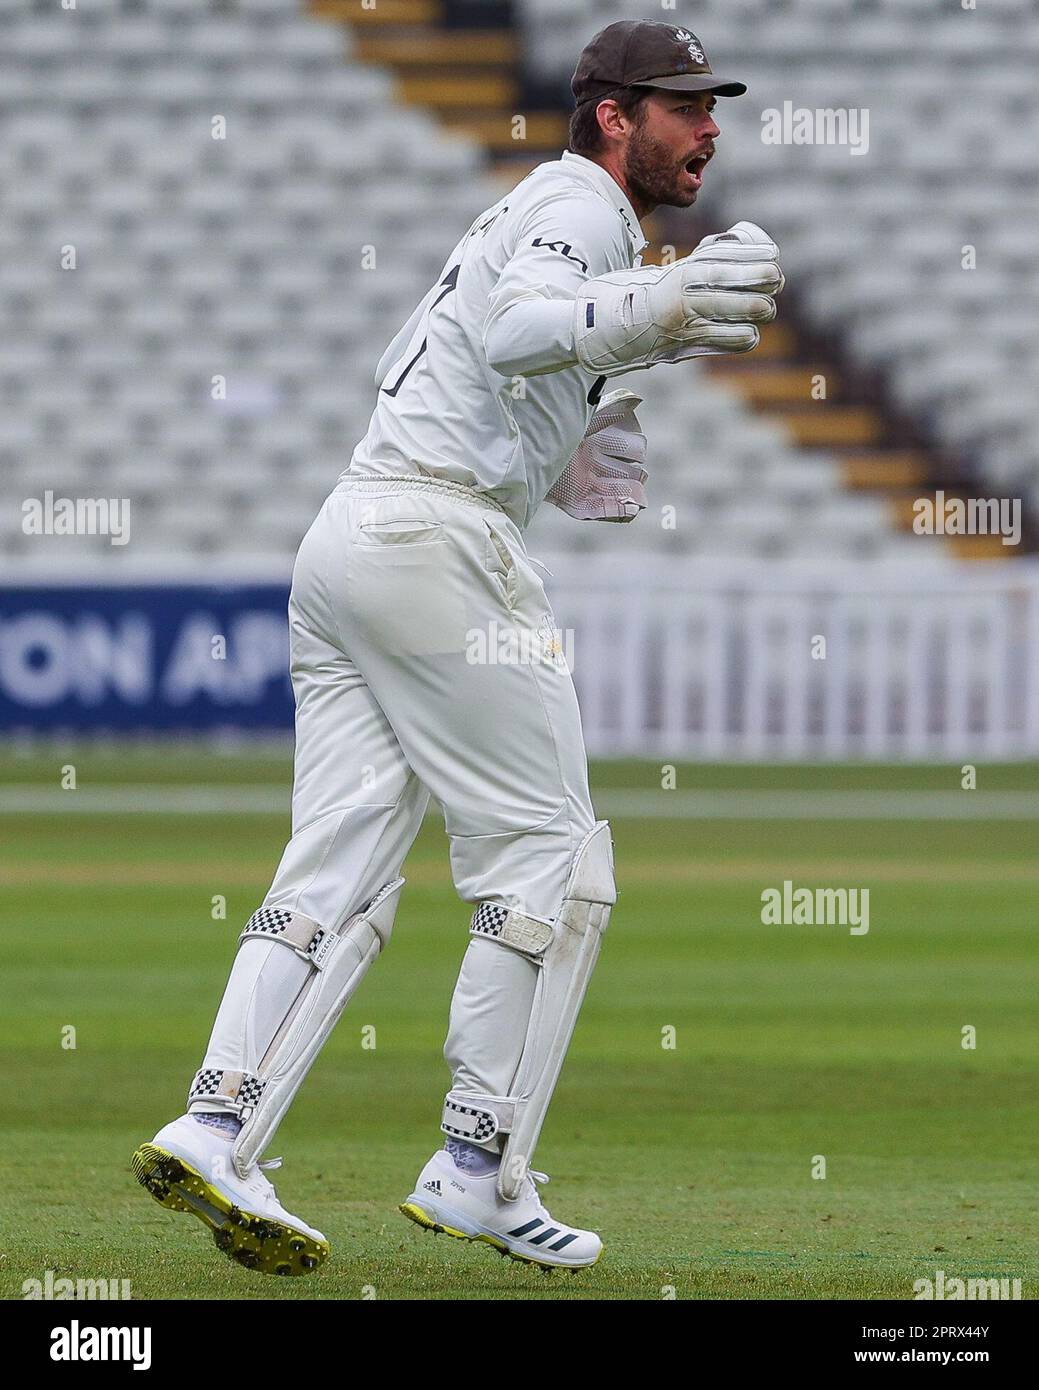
{"x": 448, "y": 1199}
{"x": 188, "y": 1167}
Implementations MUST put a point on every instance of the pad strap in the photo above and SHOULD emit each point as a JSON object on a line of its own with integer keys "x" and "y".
{"x": 476, "y": 1118}
{"x": 522, "y": 933}
{"x": 238, "y": 1090}
{"x": 303, "y": 935}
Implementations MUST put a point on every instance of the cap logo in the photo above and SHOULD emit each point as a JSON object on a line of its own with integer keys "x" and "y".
{"x": 693, "y": 44}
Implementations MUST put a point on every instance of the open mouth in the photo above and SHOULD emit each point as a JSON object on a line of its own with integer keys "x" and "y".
{"x": 696, "y": 167}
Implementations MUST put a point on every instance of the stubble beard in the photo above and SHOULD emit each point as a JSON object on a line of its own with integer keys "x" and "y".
{"x": 651, "y": 173}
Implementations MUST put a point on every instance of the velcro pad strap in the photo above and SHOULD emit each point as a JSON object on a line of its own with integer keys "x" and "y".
{"x": 239, "y": 1090}
{"x": 476, "y": 1118}
{"x": 511, "y": 928}
{"x": 292, "y": 929}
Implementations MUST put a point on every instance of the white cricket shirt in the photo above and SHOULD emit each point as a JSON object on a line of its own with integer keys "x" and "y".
{"x": 481, "y": 385}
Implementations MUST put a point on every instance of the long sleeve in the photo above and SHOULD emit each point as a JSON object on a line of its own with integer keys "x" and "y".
{"x": 529, "y": 330}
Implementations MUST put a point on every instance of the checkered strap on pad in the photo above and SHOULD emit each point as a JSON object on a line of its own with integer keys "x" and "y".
{"x": 238, "y": 1091}
{"x": 292, "y": 929}
{"x": 511, "y": 928}
{"x": 476, "y": 1118}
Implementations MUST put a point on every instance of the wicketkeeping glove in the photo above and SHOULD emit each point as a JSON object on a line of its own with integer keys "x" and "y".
{"x": 604, "y": 479}
{"x": 709, "y": 302}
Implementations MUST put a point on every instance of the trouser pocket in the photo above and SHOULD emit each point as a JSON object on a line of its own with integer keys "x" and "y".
{"x": 401, "y": 532}
{"x": 405, "y": 591}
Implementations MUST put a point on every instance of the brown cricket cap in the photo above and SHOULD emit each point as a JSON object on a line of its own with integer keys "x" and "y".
{"x": 646, "y": 53}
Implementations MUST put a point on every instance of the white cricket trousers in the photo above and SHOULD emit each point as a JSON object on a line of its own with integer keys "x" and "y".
{"x": 422, "y": 662}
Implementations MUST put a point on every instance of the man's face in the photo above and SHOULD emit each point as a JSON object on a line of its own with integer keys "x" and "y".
{"x": 668, "y": 148}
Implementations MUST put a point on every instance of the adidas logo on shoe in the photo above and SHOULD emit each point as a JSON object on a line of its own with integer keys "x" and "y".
{"x": 433, "y": 1186}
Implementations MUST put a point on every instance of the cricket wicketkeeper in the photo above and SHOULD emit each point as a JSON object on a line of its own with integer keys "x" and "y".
{"x": 420, "y": 545}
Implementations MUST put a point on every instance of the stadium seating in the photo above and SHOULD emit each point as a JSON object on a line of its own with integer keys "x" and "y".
{"x": 876, "y": 243}
{"x": 210, "y": 353}
{"x": 235, "y": 261}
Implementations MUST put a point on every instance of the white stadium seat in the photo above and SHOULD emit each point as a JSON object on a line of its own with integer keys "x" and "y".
{"x": 241, "y": 257}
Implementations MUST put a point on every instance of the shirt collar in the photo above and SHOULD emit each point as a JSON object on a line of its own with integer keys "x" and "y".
{"x": 604, "y": 183}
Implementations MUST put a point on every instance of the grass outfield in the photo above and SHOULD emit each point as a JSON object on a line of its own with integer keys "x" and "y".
{"x": 695, "y": 1163}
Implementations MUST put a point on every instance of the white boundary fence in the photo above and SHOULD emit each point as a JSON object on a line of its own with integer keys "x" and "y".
{"x": 711, "y": 661}
{"x": 931, "y": 662}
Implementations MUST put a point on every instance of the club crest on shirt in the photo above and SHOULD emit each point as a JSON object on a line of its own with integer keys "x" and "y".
{"x": 551, "y": 639}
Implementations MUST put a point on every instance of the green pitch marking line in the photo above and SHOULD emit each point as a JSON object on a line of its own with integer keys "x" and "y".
{"x": 749, "y": 805}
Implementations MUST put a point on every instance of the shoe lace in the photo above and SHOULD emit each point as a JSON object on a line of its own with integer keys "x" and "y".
{"x": 262, "y": 1168}
{"x": 536, "y": 1180}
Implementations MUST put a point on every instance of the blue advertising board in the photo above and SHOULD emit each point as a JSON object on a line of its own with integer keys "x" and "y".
{"x": 179, "y": 658}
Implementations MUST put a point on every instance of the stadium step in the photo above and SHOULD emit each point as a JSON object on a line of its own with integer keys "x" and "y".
{"x": 496, "y": 130}
{"x": 775, "y": 384}
{"x": 777, "y": 341}
{"x": 468, "y": 48}
{"x": 979, "y": 547}
{"x": 381, "y": 13}
{"x": 782, "y": 379}
{"x": 471, "y": 78}
{"x": 445, "y": 90}
{"x": 890, "y": 469}
{"x": 824, "y": 425}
